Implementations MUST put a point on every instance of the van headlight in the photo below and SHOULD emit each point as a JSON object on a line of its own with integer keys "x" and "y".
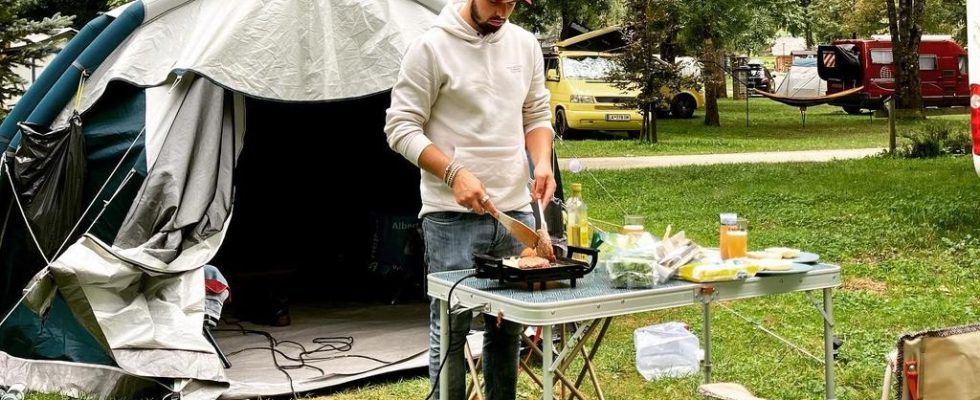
{"x": 578, "y": 98}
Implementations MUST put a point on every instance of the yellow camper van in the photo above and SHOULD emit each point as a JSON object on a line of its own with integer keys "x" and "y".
{"x": 582, "y": 98}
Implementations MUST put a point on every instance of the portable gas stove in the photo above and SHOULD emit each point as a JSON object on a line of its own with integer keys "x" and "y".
{"x": 506, "y": 270}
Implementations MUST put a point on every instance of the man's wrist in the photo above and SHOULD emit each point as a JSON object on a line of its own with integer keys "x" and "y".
{"x": 452, "y": 170}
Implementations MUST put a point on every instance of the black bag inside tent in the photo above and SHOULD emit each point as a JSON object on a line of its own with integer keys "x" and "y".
{"x": 49, "y": 172}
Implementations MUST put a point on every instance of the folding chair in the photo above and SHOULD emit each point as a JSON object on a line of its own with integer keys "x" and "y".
{"x": 936, "y": 364}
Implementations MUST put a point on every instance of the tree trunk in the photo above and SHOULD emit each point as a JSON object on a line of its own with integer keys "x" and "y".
{"x": 905, "y": 25}
{"x": 650, "y": 133}
{"x": 722, "y": 77}
{"x": 807, "y": 27}
{"x": 668, "y": 48}
{"x": 642, "y": 137}
{"x": 712, "y": 70}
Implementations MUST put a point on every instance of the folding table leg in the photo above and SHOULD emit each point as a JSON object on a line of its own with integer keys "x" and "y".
{"x": 547, "y": 376}
{"x": 828, "y": 345}
{"x": 443, "y": 348}
{"x": 706, "y": 315}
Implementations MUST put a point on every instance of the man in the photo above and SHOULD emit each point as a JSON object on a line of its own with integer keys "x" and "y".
{"x": 469, "y": 101}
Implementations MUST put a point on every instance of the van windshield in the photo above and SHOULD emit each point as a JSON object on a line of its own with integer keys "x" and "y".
{"x": 591, "y": 68}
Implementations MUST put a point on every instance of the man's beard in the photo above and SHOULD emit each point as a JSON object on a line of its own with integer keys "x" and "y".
{"x": 483, "y": 25}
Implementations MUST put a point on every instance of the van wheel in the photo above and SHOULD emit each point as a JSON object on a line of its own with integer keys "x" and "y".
{"x": 683, "y": 106}
{"x": 561, "y": 125}
{"x": 852, "y": 110}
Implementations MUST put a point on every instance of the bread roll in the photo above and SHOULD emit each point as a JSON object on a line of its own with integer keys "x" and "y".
{"x": 787, "y": 252}
{"x": 773, "y": 265}
{"x": 765, "y": 255}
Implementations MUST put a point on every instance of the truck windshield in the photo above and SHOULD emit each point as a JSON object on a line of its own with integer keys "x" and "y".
{"x": 592, "y": 68}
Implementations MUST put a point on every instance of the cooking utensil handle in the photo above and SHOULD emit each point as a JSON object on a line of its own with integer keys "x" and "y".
{"x": 544, "y": 224}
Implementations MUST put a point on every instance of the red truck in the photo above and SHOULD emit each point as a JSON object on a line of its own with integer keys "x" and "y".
{"x": 973, "y": 38}
{"x": 850, "y": 63}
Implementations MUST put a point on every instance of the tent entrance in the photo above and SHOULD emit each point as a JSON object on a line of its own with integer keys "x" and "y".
{"x": 322, "y": 245}
{"x": 320, "y": 227}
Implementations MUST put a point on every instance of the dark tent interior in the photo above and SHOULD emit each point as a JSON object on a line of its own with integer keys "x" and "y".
{"x": 324, "y": 210}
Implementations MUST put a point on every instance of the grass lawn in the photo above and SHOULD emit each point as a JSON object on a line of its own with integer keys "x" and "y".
{"x": 773, "y": 127}
{"x": 906, "y": 232}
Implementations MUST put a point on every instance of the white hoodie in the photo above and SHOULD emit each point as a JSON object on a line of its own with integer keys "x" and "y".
{"x": 474, "y": 97}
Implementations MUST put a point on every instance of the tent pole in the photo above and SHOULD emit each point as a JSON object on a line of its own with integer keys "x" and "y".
{"x": 23, "y": 214}
{"x": 105, "y": 204}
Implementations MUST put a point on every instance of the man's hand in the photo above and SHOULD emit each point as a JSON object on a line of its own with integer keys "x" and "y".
{"x": 470, "y": 193}
{"x": 544, "y": 184}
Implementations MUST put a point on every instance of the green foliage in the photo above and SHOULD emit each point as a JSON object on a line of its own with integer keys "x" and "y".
{"x": 733, "y": 24}
{"x": 83, "y": 10}
{"x": 15, "y": 50}
{"x": 549, "y": 16}
{"x": 639, "y": 69}
{"x": 838, "y": 19}
{"x": 934, "y": 138}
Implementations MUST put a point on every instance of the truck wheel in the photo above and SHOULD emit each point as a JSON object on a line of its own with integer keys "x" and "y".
{"x": 561, "y": 125}
{"x": 683, "y": 106}
{"x": 852, "y": 110}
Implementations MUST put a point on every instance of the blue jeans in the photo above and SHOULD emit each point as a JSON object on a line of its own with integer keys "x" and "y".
{"x": 451, "y": 239}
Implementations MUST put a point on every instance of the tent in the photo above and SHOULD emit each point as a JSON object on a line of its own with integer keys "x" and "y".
{"x": 188, "y": 107}
{"x": 802, "y": 79}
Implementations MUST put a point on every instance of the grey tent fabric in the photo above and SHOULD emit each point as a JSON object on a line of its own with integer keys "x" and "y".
{"x": 186, "y": 198}
{"x": 71, "y": 379}
{"x": 152, "y": 323}
{"x": 314, "y": 50}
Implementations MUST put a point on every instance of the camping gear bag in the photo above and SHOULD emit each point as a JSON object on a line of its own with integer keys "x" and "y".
{"x": 49, "y": 170}
{"x": 941, "y": 364}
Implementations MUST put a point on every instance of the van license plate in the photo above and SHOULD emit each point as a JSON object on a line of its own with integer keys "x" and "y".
{"x": 617, "y": 117}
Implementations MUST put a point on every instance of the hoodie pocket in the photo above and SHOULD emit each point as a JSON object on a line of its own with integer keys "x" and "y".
{"x": 503, "y": 171}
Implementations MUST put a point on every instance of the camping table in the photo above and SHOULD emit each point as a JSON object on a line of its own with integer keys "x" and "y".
{"x": 593, "y": 301}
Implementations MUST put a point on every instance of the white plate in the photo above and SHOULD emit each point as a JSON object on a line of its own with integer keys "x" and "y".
{"x": 796, "y": 268}
{"x": 805, "y": 258}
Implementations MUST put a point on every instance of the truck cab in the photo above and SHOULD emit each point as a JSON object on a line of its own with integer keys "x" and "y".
{"x": 851, "y": 63}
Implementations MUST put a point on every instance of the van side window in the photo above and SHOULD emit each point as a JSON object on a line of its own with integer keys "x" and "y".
{"x": 550, "y": 63}
{"x": 881, "y": 56}
{"x": 963, "y": 65}
{"x": 927, "y": 63}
